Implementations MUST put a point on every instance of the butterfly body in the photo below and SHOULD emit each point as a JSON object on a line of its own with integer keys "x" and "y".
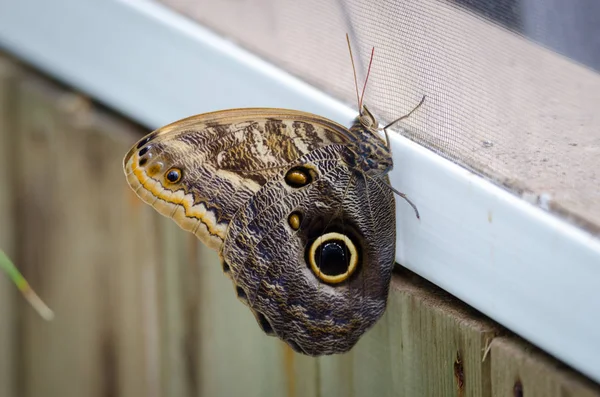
{"x": 297, "y": 207}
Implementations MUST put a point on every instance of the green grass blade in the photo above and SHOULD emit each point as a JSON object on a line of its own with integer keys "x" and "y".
{"x": 23, "y": 286}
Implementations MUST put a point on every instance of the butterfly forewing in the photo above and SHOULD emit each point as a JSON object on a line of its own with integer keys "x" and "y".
{"x": 223, "y": 158}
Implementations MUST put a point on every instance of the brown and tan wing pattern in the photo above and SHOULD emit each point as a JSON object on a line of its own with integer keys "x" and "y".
{"x": 200, "y": 170}
{"x": 268, "y": 256}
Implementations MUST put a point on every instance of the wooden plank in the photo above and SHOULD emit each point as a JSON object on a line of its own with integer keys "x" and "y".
{"x": 144, "y": 309}
{"x": 425, "y": 345}
{"x": 8, "y": 292}
{"x": 178, "y": 365}
{"x": 86, "y": 248}
{"x": 235, "y": 356}
{"x": 55, "y": 259}
{"x": 519, "y": 369}
{"x": 131, "y": 232}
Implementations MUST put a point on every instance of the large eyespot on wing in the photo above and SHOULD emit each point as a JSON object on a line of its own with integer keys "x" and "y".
{"x": 333, "y": 257}
{"x": 316, "y": 260}
{"x": 201, "y": 170}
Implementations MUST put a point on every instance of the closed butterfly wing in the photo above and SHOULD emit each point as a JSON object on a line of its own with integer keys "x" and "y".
{"x": 313, "y": 260}
{"x": 201, "y": 170}
{"x": 297, "y": 207}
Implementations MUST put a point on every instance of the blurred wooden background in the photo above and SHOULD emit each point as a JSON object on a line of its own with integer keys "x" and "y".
{"x": 142, "y": 308}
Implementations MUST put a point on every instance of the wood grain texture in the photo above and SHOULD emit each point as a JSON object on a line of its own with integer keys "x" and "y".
{"x": 178, "y": 314}
{"x": 8, "y": 292}
{"x": 519, "y": 369}
{"x": 143, "y": 309}
{"x": 425, "y": 345}
{"x": 81, "y": 248}
{"x": 236, "y": 357}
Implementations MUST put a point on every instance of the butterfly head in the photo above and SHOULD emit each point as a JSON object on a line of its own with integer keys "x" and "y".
{"x": 367, "y": 120}
{"x": 373, "y": 154}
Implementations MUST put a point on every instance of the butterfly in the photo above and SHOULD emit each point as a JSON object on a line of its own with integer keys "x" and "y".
{"x": 299, "y": 207}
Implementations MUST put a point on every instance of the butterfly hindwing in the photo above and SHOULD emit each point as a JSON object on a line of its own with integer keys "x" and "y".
{"x": 270, "y": 260}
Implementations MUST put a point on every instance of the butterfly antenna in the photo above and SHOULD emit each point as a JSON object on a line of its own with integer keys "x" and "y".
{"x": 354, "y": 71}
{"x": 406, "y": 115}
{"x": 360, "y": 102}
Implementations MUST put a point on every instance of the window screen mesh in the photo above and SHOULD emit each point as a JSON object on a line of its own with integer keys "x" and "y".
{"x": 513, "y": 89}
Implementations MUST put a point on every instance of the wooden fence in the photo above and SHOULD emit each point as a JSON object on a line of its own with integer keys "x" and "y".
{"x": 142, "y": 308}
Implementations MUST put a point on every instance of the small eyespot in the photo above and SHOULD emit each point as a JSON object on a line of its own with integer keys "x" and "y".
{"x": 264, "y": 324}
{"x": 174, "y": 175}
{"x": 294, "y": 220}
{"x": 298, "y": 177}
{"x": 144, "y": 151}
{"x": 143, "y": 161}
{"x": 333, "y": 257}
{"x": 226, "y": 268}
{"x": 241, "y": 293}
{"x": 144, "y": 141}
{"x": 155, "y": 168}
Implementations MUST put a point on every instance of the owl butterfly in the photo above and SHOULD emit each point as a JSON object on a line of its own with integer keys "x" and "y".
{"x": 299, "y": 208}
